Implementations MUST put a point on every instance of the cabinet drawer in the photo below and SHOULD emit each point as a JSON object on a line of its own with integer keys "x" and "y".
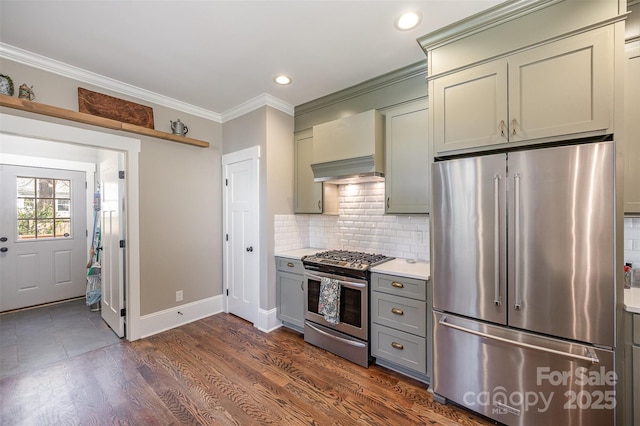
{"x": 636, "y": 329}
{"x": 399, "y": 347}
{"x": 404, "y": 314}
{"x": 400, "y": 286}
{"x": 289, "y": 265}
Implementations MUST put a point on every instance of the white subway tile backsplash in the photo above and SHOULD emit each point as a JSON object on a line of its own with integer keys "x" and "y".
{"x": 632, "y": 241}
{"x": 290, "y": 232}
{"x": 363, "y": 226}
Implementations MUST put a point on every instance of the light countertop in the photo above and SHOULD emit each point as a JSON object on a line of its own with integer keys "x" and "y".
{"x": 419, "y": 270}
{"x": 632, "y": 300}
{"x": 298, "y": 253}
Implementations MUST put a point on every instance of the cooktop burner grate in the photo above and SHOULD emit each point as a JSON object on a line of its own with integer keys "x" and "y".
{"x": 346, "y": 259}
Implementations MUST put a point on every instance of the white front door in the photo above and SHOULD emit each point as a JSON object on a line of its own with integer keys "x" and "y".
{"x": 43, "y": 241}
{"x": 242, "y": 260}
{"x": 112, "y": 232}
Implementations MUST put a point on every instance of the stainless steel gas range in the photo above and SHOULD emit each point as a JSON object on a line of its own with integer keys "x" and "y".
{"x": 337, "y": 302}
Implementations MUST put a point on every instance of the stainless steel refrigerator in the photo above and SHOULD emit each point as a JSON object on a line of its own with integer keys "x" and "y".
{"x": 524, "y": 295}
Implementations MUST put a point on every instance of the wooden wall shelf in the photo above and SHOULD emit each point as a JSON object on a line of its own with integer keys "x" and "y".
{"x": 79, "y": 117}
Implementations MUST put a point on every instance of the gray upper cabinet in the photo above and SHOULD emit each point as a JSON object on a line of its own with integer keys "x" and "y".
{"x": 408, "y": 158}
{"x": 308, "y": 194}
{"x": 632, "y": 112}
{"x": 556, "y": 90}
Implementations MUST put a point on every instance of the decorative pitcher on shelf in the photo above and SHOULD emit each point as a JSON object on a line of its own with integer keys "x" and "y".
{"x": 178, "y": 128}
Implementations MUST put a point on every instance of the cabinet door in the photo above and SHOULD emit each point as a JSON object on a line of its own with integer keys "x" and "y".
{"x": 290, "y": 299}
{"x": 562, "y": 88}
{"x": 632, "y": 135}
{"x": 470, "y": 108}
{"x": 308, "y": 194}
{"x": 636, "y": 385}
{"x": 408, "y": 159}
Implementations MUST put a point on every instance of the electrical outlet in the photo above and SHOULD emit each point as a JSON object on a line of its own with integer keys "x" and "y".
{"x": 179, "y": 296}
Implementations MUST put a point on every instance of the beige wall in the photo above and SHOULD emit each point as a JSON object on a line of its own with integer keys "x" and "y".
{"x": 180, "y": 195}
{"x": 272, "y": 130}
{"x": 180, "y": 224}
{"x": 280, "y": 175}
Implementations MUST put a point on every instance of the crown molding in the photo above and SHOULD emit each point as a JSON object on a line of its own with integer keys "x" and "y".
{"x": 56, "y": 67}
{"x": 492, "y": 17}
{"x": 371, "y": 85}
{"x": 258, "y": 102}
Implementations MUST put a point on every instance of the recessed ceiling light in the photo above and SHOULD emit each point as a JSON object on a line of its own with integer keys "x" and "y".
{"x": 408, "y": 20}
{"x": 282, "y": 80}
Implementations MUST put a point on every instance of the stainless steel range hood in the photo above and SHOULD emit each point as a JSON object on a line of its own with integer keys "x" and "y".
{"x": 349, "y": 150}
{"x": 350, "y": 170}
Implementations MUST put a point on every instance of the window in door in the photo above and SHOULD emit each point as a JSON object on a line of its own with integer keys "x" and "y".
{"x": 44, "y": 208}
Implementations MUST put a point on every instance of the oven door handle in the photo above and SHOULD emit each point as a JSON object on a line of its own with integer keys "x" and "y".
{"x": 342, "y": 283}
{"x": 347, "y": 341}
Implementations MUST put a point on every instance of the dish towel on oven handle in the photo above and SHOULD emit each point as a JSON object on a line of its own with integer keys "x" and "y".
{"x": 329, "y": 301}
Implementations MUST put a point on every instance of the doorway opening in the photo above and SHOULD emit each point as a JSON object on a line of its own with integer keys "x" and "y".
{"x": 66, "y": 145}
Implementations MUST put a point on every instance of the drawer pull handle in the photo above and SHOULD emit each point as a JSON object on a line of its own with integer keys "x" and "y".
{"x": 290, "y": 265}
{"x": 397, "y": 311}
{"x": 396, "y": 345}
{"x": 396, "y": 284}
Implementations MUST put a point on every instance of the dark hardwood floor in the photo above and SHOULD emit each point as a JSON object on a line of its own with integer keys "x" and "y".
{"x": 220, "y": 370}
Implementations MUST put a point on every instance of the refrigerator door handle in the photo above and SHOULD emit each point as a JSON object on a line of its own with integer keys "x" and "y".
{"x": 496, "y": 239}
{"x": 590, "y": 357}
{"x": 516, "y": 196}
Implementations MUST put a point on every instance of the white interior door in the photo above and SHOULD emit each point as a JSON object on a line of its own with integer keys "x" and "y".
{"x": 241, "y": 228}
{"x": 112, "y": 232}
{"x": 43, "y": 242}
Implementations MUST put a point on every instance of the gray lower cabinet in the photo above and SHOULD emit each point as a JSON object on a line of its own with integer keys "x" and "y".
{"x": 636, "y": 385}
{"x": 400, "y": 320}
{"x": 635, "y": 360}
{"x": 630, "y": 393}
{"x": 290, "y": 292}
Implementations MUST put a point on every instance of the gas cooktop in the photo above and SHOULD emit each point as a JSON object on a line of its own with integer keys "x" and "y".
{"x": 346, "y": 259}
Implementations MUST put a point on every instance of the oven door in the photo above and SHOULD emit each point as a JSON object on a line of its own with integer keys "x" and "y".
{"x": 354, "y": 304}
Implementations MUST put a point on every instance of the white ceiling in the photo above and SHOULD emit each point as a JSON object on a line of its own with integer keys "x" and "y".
{"x": 216, "y": 55}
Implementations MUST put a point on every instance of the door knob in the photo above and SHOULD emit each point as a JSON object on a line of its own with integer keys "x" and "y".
{"x": 4, "y": 249}
{"x": 3, "y": 239}
{"x": 249, "y": 248}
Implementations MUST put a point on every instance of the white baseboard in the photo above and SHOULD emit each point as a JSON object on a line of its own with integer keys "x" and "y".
{"x": 158, "y": 322}
{"x": 268, "y": 320}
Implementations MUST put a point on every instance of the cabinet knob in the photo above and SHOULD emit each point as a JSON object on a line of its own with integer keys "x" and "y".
{"x": 397, "y": 345}
{"x": 396, "y": 284}
{"x": 397, "y": 311}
